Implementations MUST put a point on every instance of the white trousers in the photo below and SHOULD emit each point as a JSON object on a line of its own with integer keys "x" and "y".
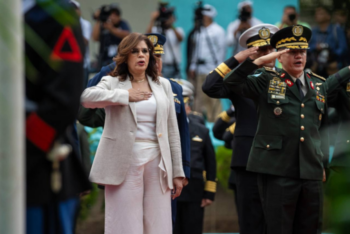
{"x": 138, "y": 205}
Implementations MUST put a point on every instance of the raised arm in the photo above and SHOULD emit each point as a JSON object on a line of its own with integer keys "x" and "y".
{"x": 334, "y": 81}
{"x": 213, "y": 85}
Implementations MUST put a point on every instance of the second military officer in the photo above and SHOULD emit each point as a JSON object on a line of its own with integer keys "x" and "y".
{"x": 291, "y": 142}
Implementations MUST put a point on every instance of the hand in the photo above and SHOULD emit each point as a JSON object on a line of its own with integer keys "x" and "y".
{"x": 206, "y": 202}
{"x": 135, "y": 95}
{"x": 154, "y": 15}
{"x": 177, "y": 187}
{"x": 324, "y": 176}
{"x": 97, "y": 14}
{"x": 108, "y": 25}
{"x": 269, "y": 57}
{"x": 185, "y": 182}
{"x": 285, "y": 19}
{"x": 243, "y": 55}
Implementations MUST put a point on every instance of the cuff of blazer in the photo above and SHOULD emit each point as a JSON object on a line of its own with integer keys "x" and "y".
{"x": 178, "y": 172}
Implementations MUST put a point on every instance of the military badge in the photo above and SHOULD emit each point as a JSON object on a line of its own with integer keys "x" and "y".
{"x": 197, "y": 138}
{"x": 348, "y": 87}
{"x": 289, "y": 82}
{"x": 312, "y": 85}
{"x": 308, "y": 76}
{"x": 318, "y": 84}
{"x": 276, "y": 79}
{"x": 283, "y": 75}
{"x": 298, "y": 30}
{"x": 277, "y": 111}
{"x": 277, "y": 88}
{"x": 318, "y": 88}
{"x": 264, "y": 33}
{"x": 153, "y": 39}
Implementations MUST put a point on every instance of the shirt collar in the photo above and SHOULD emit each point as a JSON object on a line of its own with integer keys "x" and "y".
{"x": 301, "y": 78}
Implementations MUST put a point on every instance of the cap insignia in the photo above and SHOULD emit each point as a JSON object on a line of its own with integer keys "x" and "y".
{"x": 153, "y": 39}
{"x": 297, "y": 30}
{"x": 264, "y": 33}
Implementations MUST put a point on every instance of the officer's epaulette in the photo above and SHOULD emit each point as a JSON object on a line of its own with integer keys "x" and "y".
{"x": 196, "y": 113}
{"x": 269, "y": 69}
{"x": 319, "y": 77}
{"x": 172, "y": 79}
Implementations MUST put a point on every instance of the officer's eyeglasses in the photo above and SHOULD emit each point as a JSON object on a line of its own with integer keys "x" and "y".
{"x": 137, "y": 51}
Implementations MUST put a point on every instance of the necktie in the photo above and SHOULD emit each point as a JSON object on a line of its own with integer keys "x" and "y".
{"x": 298, "y": 82}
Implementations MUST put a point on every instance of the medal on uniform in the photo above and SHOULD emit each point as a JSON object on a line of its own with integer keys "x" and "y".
{"x": 288, "y": 82}
{"x": 277, "y": 88}
{"x": 348, "y": 87}
{"x": 277, "y": 111}
{"x": 318, "y": 88}
{"x": 312, "y": 85}
{"x": 276, "y": 79}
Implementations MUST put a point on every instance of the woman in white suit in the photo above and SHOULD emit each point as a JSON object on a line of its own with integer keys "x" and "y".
{"x": 139, "y": 156}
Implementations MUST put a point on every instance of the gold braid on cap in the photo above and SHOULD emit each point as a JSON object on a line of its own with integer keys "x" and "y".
{"x": 261, "y": 42}
{"x": 286, "y": 40}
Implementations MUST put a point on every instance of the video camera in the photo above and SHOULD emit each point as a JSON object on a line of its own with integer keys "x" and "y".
{"x": 106, "y": 10}
{"x": 198, "y": 14}
{"x": 164, "y": 13}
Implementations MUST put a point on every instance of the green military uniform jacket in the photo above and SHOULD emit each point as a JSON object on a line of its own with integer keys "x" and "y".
{"x": 340, "y": 100}
{"x": 292, "y": 137}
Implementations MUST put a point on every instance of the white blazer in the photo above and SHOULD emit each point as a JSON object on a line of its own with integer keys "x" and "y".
{"x": 114, "y": 152}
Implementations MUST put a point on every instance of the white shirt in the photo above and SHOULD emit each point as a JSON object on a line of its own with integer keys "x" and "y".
{"x": 86, "y": 30}
{"x": 215, "y": 35}
{"x": 232, "y": 40}
{"x": 146, "y": 112}
{"x": 303, "y": 84}
{"x": 172, "y": 46}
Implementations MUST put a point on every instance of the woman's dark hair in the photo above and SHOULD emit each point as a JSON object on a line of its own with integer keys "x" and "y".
{"x": 124, "y": 50}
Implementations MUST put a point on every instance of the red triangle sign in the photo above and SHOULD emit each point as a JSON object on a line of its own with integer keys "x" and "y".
{"x": 74, "y": 55}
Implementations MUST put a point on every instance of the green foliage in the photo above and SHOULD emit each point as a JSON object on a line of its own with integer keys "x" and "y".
{"x": 223, "y": 162}
{"x": 87, "y": 202}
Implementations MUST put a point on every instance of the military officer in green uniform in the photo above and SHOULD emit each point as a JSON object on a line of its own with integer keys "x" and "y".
{"x": 290, "y": 148}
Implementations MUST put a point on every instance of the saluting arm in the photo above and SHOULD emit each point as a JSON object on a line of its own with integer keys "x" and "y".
{"x": 214, "y": 85}
{"x": 91, "y": 117}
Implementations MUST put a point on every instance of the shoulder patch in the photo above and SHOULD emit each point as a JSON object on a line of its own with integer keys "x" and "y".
{"x": 269, "y": 69}
{"x": 319, "y": 77}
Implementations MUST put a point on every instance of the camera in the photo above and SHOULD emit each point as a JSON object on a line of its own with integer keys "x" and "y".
{"x": 164, "y": 14}
{"x": 292, "y": 17}
{"x": 244, "y": 15}
{"x": 106, "y": 10}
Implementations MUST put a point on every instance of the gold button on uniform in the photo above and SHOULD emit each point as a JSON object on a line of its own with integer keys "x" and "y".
{"x": 278, "y": 102}
{"x": 302, "y": 105}
{"x": 268, "y": 146}
{"x": 302, "y": 139}
{"x": 302, "y": 116}
{"x": 302, "y": 128}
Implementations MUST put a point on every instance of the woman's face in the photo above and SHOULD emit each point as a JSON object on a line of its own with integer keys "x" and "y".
{"x": 138, "y": 58}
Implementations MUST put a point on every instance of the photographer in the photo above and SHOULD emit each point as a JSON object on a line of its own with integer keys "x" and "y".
{"x": 290, "y": 17}
{"x": 208, "y": 46}
{"x": 109, "y": 30}
{"x": 328, "y": 40}
{"x": 162, "y": 21}
{"x": 236, "y": 28}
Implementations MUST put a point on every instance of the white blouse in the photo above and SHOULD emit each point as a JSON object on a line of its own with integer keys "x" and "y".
{"x": 146, "y": 112}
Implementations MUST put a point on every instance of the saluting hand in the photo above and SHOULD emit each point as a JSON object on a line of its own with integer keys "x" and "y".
{"x": 135, "y": 95}
{"x": 269, "y": 57}
{"x": 243, "y": 55}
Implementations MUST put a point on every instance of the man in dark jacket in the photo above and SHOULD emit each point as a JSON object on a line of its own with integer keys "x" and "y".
{"x": 200, "y": 191}
{"x": 53, "y": 82}
{"x": 250, "y": 213}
